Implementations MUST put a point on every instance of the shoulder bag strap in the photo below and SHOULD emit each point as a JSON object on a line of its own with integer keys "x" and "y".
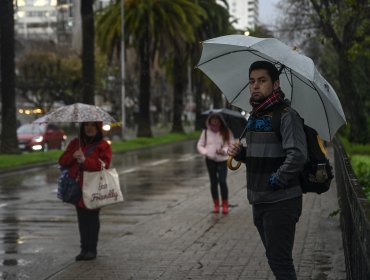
{"x": 90, "y": 149}
{"x": 276, "y": 119}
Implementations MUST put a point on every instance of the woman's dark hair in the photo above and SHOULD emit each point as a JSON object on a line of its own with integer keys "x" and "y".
{"x": 224, "y": 129}
{"x": 268, "y": 66}
{"x": 98, "y": 137}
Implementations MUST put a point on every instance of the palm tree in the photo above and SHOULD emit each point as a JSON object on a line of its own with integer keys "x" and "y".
{"x": 215, "y": 23}
{"x": 150, "y": 26}
{"x": 181, "y": 52}
{"x": 9, "y": 143}
{"x": 88, "y": 42}
{"x": 108, "y": 29}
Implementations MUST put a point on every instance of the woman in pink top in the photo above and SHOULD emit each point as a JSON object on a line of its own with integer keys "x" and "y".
{"x": 213, "y": 144}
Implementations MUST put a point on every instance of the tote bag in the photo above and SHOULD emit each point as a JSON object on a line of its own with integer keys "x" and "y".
{"x": 101, "y": 188}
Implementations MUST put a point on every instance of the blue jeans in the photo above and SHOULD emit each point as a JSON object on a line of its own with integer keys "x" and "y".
{"x": 276, "y": 223}
{"x": 217, "y": 174}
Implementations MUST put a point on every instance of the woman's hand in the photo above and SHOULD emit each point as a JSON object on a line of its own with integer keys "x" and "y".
{"x": 220, "y": 152}
{"x": 79, "y": 156}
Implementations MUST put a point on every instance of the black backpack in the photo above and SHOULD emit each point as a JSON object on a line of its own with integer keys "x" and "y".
{"x": 317, "y": 173}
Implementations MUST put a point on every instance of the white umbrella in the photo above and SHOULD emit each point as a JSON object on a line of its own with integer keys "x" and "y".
{"x": 77, "y": 112}
{"x": 226, "y": 61}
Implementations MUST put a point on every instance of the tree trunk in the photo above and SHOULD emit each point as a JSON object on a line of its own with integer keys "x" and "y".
{"x": 217, "y": 98}
{"x": 88, "y": 41}
{"x": 144, "y": 120}
{"x": 9, "y": 142}
{"x": 354, "y": 106}
{"x": 179, "y": 85}
{"x": 198, "y": 89}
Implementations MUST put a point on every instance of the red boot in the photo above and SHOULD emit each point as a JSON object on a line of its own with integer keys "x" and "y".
{"x": 216, "y": 208}
{"x": 225, "y": 206}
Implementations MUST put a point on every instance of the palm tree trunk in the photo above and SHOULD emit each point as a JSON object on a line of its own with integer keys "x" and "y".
{"x": 144, "y": 120}
{"x": 88, "y": 41}
{"x": 9, "y": 143}
{"x": 179, "y": 85}
{"x": 198, "y": 89}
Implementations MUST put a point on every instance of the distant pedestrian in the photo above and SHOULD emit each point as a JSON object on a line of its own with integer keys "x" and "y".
{"x": 273, "y": 168}
{"x": 213, "y": 143}
{"x": 84, "y": 154}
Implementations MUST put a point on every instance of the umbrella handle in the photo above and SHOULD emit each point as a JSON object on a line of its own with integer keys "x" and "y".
{"x": 230, "y": 163}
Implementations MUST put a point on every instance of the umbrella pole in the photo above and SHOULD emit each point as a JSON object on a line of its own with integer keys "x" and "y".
{"x": 230, "y": 158}
{"x": 79, "y": 134}
{"x": 243, "y": 133}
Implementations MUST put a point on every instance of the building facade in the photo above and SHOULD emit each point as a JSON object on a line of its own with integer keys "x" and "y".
{"x": 58, "y": 21}
{"x": 36, "y": 19}
{"x": 244, "y": 13}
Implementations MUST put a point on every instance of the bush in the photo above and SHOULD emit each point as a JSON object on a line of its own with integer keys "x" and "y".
{"x": 361, "y": 167}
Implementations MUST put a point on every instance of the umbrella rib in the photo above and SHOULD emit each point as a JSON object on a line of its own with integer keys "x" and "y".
{"x": 326, "y": 113}
{"x": 237, "y": 95}
{"x": 290, "y": 81}
{"x": 237, "y": 51}
{"x": 255, "y": 52}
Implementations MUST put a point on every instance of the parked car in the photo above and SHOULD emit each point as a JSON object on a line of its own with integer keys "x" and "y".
{"x": 112, "y": 131}
{"x": 40, "y": 137}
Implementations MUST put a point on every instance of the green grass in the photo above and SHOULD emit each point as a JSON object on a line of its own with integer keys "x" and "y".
{"x": 360, "y": 160}
{"x": 122, "y": 146}
{"x": 9, "y": 162}
{"x": 355, "y": 149}
{"x": 13, "y": 161}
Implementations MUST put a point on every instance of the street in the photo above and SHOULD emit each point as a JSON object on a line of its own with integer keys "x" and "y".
{"x": 164, "y": 230}
{"x": 39, "y": 232}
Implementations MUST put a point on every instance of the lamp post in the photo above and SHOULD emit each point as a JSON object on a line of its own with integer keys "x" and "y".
{"x": 123, "y": 111}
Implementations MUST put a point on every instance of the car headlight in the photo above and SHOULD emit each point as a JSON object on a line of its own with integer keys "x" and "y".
{"x": 38, "y": 139}
{"x": 106, "y": 127}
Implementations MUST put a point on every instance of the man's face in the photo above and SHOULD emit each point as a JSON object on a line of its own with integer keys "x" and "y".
{"x": 261, "y": 85}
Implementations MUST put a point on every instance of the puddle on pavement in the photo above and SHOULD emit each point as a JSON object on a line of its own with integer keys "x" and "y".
{"x": 9, "y": 246}
{"x": 23, "y": 195}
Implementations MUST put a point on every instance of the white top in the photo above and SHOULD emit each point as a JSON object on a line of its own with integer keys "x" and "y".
{"x": 208, "y": 146}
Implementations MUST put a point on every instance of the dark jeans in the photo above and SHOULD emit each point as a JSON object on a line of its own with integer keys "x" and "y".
{"x": 217, "y": 174}
{"x": 276, "y": 223}
{"x": 88, "y": 225}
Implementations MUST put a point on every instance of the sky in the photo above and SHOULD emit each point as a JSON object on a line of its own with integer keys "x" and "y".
{"x": 268, "y": 11}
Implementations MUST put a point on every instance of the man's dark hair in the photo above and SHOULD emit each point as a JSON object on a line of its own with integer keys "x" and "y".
{"x": 268, "y": 66}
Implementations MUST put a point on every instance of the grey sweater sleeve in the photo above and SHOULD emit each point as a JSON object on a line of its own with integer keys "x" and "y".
{"x": 295, "y": 148}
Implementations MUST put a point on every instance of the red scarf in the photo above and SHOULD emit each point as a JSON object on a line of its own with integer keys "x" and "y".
{"x": 271, "y": 100}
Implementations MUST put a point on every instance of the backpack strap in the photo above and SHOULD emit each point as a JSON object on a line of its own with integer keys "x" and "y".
{"x": 276, "y": 119}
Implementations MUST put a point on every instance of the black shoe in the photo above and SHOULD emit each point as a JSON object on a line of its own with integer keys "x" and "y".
{"x": 81, "y": 256}
{"x": 89, "y": 256}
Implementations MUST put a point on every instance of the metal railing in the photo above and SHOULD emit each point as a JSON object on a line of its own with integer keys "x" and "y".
{"x": 354, "y": 217}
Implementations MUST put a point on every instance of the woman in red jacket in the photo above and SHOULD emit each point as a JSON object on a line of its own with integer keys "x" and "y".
{"x": 83, "y": 154}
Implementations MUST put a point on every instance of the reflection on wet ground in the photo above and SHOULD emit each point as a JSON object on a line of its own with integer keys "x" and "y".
{"x": 38, "y": 232}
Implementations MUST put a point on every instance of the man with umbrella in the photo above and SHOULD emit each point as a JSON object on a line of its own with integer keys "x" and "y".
{"x": 273, "y": 167}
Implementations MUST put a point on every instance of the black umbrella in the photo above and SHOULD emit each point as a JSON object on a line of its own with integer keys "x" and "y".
{"x": 234, "y": 120}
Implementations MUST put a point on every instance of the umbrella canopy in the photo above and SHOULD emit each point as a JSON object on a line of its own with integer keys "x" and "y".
{"x": 77, "y": 112}
{"x": 226, "y": 61}
{"x": 234, "y": 120}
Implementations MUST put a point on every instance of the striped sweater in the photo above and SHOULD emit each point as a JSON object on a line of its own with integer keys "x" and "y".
{"x": 265, "y": 155}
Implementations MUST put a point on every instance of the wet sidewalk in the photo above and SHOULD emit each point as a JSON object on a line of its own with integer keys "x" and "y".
{"x": 185, "y": 240}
